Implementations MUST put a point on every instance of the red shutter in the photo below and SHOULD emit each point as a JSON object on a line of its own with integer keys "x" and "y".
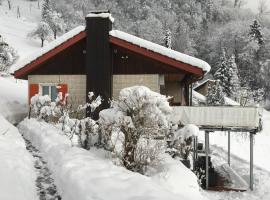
{"x": 63, "y": 88}
{"x": 33, "y": 90}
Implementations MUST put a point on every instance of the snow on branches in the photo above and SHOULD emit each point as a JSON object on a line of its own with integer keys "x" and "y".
{"x": 42, "y": 32}
{"x": 140, "y": 115}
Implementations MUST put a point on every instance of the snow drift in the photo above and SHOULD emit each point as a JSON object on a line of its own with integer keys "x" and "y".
{"x": 81, "y": 174}
{"x": 17, "y": 172}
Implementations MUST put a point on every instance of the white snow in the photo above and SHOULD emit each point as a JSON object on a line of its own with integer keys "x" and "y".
{"x": 101, "y": 15}
{"x": 81, "y": 174}
{"x": 198, "y": 99}
{"x": 229, "y": 101}
{"x": 15, "y": 30}
{"x": 13, "y": 99}
{"x": 17, "y": 174}
{"x": 161, "y": 50}
{"x": 187, "y": 131}
{"x": 49, "y": 47}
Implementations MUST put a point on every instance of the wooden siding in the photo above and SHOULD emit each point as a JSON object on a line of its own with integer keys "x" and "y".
{"x": 69, "y": 61}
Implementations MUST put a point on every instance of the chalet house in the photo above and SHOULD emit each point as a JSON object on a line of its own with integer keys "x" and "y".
{"x": 99, "y": 59}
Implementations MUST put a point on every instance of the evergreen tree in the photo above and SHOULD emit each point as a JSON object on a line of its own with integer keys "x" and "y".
{"x": 43, "y": 32}
{"x": 168, "y": 39}
{"x": 215, "y": 95}
{"x": 233, "y": 80}
{"x": 223, "y": 74}
{"x": 47, "y": 9}
{"x": 255, "y": 32}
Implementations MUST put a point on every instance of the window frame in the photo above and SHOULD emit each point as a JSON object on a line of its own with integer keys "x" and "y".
{"x": 50, "y": 85}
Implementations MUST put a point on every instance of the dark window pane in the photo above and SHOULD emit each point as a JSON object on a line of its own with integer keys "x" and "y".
{"x": 45, "y": 90}
{"x": 54, "y": 93}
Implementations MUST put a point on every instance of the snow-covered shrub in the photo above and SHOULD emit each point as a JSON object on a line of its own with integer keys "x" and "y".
{"x": 43, "y": 108}
{"x": 180, "y": 145}
{"x": 82, "y": 131}
{"x": 7, "y": 55}
{"x": 147, "y": 154}
{"x": 138, "y": 114}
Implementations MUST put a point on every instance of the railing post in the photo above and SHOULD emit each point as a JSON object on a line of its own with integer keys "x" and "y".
{"x": 229, "y": 148}
{"x": 251, "y": 181}
{"x": 206, "y": 159}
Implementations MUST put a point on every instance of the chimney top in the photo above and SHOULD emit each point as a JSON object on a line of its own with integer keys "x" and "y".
{"x": 100, "y": 14}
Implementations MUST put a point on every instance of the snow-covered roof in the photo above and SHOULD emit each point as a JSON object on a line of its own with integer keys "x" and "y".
{"x": 162, "y": 50}
{"x": 120, "y": 35}
{"x": 199, "y": 98}
{"x": 101, "y": 15}
{"x": 48, "y": 47}
{"x": 202, "y": 82}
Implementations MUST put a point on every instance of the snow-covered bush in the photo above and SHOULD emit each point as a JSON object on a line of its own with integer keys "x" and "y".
{"x": 180, "y": 145}
{"x": 7, "y": 55}
{"x": 81, "y": 130}
{"x": 138, "y": 114}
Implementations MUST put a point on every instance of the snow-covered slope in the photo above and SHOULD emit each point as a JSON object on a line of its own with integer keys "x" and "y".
{"x": 17, "y": 174}
{"x": 13, "y": 99}
{"x": 15, "y": 30}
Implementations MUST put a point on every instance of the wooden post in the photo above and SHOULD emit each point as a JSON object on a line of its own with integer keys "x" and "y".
{"x": 251, "y": 181}
{"x": 229, "y": 148}
{"x": 206, "y": 159}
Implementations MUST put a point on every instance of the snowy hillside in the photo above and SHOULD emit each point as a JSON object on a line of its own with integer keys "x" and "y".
{"x": 15, "y": 30}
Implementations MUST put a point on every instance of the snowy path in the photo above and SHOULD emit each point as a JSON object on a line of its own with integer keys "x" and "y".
{"x": 261, "y": 176}
{"x": 46, "y": 188}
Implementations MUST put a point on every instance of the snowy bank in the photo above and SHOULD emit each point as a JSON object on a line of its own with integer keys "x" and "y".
{"x": 13, "y": 99}
{"x": 17, "y": 174}
{"x": 81, "y": 174}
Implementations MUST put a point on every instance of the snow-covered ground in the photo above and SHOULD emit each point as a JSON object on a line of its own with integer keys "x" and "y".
{"x": 13, "y": 99}
{"x": 17, "y": 174}
{"x": 15, "y": 30}
{"x": 81, "y": 174}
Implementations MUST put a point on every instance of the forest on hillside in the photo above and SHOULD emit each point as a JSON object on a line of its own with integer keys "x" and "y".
{"x": 231, "y": 38}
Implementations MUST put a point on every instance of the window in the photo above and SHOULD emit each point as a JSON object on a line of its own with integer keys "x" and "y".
{"x": 50, "y": 90}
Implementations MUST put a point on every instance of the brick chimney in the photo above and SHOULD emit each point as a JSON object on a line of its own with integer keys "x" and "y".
{"x": 98, "y": 56}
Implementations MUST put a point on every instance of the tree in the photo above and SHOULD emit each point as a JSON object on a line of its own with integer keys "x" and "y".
{"x": 42, "y": 32}
{"x": 215, "y": 95}
{"x": 223, "y": 74}
{"x": 7, "y": 55}
{"x": 46, "y": 11}
{"x": 56, "y": 23}
{"x": 168, "y": 39}
{"x": 233, "y": 80}
{"x": 255, "y": 32}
